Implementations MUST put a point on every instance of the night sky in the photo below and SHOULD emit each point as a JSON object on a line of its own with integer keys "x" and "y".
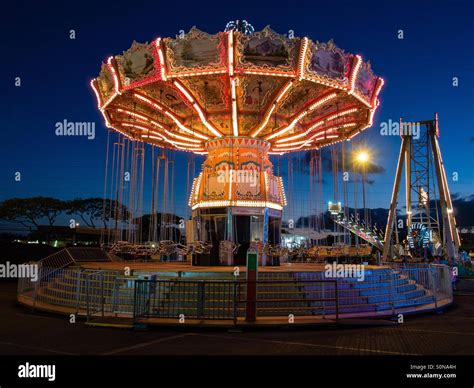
{"x": 55, "y": 72}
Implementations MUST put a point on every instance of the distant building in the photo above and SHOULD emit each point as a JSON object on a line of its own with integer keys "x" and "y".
{"x": 60, "y": 236}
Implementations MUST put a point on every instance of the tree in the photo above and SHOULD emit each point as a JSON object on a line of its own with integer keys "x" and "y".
{"x": 91, "y": 210}
{"x": 29, "y": 211}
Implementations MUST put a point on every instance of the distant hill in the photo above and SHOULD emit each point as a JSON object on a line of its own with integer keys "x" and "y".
{"x": 463, "y": 211}
{"x": 378, "y": 216}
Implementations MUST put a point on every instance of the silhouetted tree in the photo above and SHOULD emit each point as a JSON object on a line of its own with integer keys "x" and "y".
{"x": 95, "y": 209}
{"x": 29, "y": 211}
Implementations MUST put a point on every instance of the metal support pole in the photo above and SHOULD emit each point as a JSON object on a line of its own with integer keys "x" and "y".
{"x": 445, "y": 210}
{"x": 408, "y": 180}
{"x": 393, "y": 202}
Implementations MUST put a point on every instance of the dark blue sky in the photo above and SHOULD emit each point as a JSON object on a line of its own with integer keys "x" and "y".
{"x": 55, "y": 73}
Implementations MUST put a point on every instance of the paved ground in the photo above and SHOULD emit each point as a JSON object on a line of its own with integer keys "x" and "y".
{"x": 450, "y": 333}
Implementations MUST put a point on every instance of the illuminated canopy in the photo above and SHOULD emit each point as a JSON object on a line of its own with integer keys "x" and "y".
{"x": 180, "y": 93}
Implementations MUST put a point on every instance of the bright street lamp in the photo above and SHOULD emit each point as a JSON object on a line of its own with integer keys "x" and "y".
{"x": 362, "y": 156}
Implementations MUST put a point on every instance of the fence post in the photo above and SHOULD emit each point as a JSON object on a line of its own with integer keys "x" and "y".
{"x": 114, "y": 301}
{"x": 149, "y": 295}
{"x": 37, "y": 285}
{"x": 200, "y": 306}
{"x": 135, "y": 302}
{"x": 87, "y": 297}
{"x": 252, "y": 274}
{"x": 134, "y": 306}
{"x": 392, "y": 290}
{"x": 102, "y": 302}
{"x": 433, "y": 286}
{"x": 323, "y": 289}
{"x": 78, "y": 289}
{"x": 235, "y": 301}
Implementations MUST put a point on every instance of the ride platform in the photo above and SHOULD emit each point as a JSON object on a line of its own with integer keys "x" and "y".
{"x": 187, "y": 267}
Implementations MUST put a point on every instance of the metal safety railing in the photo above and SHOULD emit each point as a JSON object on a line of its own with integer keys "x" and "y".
{"x": 58, "y": 259}
{"x": 194, "y": 299}
{"x": 226, "y": 299}
{"x": 297, "y": 297}
{"x": 98, "y": 293}
{"x": 83, "y": 291}
{"x": 442, "y": 283}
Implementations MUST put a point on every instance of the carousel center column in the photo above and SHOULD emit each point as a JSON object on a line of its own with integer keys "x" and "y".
{"x": 236, "y": 200}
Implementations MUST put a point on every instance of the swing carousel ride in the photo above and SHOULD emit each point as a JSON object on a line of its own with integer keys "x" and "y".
{"x": 239, "y": 98}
